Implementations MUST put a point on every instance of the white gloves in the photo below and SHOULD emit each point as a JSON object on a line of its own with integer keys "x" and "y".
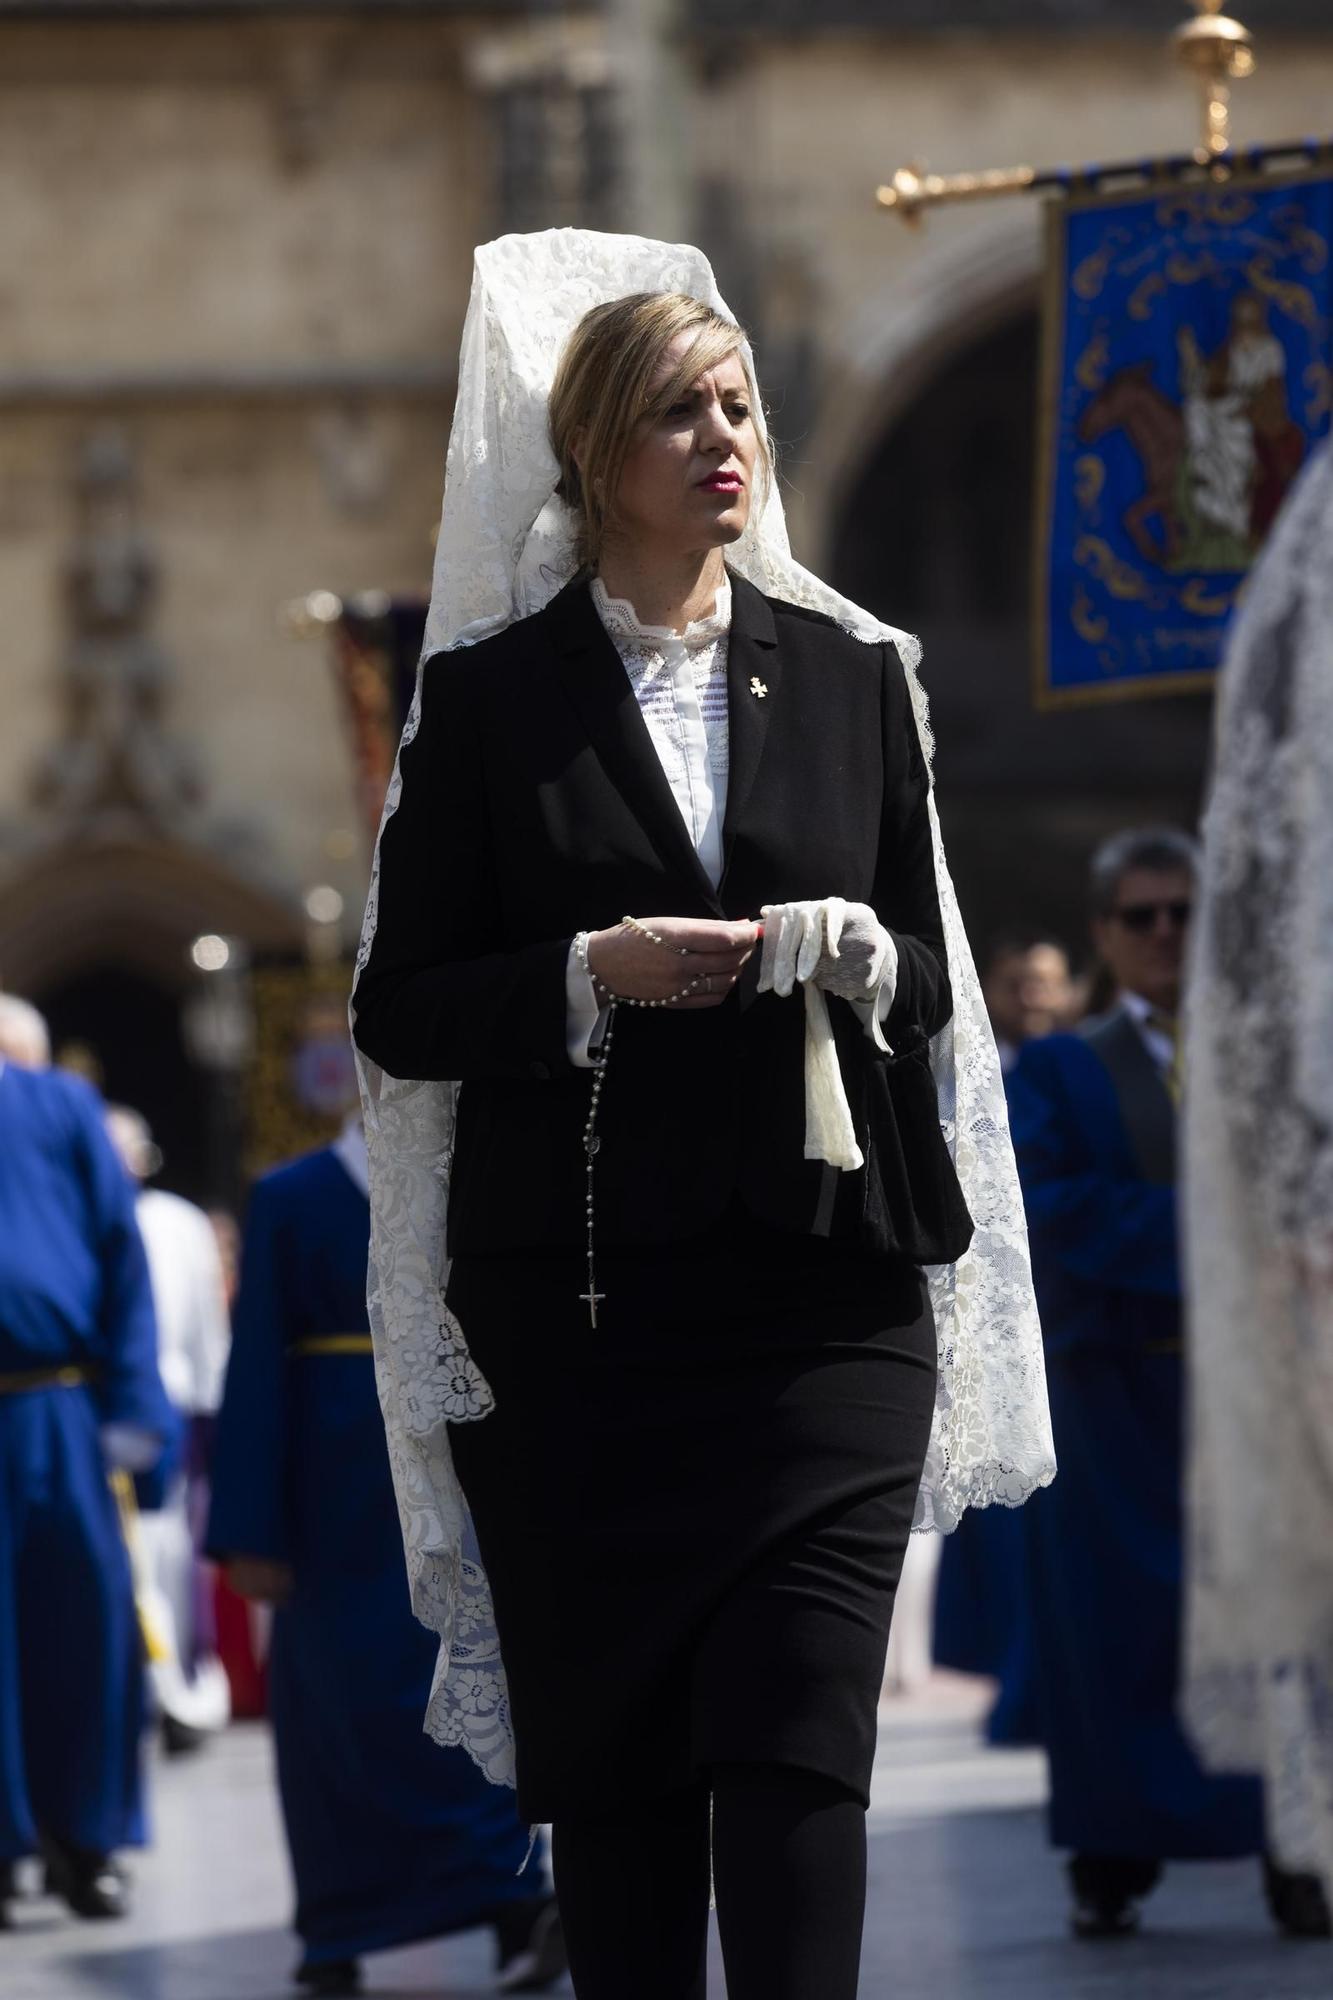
{"x": 840, "y": 948}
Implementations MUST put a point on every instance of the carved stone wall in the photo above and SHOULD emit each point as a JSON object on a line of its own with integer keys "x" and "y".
{"x": 222, "y": 197}
{"x": 243, "y": 238}
{"x": 242, "y": 249}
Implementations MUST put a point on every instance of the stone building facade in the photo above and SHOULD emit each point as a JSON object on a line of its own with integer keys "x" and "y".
{"x": 234, "y": 258}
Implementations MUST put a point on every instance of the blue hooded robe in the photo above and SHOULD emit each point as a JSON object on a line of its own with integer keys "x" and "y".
{"x": 78, "y": 1353}
{"x": 392, "y": 1838}
{"x": 1094, "y": 1131}
{"x": 983, "y": 1624}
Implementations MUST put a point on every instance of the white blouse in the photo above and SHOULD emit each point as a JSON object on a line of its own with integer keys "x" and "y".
{"x": 680, "y": 683}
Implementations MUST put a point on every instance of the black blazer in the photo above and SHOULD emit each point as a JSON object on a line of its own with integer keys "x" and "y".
{"x": 534, "y": 806}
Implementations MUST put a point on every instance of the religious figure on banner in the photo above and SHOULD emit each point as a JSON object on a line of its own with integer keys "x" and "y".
{"x": 1188, "y": 336}
{"x": 1242, "y": 447}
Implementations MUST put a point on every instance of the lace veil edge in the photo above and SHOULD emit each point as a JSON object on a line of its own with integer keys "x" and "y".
{"x": 505, "y": 547}
{"x": 1258, "y": 1171}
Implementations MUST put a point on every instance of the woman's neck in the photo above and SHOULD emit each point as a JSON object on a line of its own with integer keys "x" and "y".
{"x": 673, "y": 592}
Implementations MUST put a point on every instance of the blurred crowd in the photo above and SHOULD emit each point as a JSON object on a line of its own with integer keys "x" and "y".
{"x": 189, "y": 1538}
{"x": 172, "y": 1557}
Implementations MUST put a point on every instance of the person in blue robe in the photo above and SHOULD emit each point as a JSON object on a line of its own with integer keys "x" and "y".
{"x": 1093, "y": 1120}
{"x": 392, "y": 1839}
{"x": 982, "y": 1619}
{"x": 80, "y": 1397}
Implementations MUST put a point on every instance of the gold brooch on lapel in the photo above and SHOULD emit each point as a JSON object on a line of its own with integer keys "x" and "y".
{"x": 757, "y": 688}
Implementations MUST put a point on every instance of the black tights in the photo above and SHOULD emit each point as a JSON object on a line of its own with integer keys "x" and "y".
{"x": 789, "y": 1868}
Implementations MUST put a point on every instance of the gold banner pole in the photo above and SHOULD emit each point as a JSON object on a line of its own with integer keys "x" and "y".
{"x": 1218, "y": 49}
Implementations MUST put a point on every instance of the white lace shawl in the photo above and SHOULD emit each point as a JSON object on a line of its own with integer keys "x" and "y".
{"x": 504, "y": 549}
{"x": 1259, "y": 1200}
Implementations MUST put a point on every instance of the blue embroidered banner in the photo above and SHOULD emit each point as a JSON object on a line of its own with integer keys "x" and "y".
{"x": 1188, "y": 345}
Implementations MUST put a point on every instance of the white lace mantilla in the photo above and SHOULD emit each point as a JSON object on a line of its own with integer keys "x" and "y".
{"x": 680, "y": 684}
{"x": 505, "y": 547}
{"x": 1259, "y": 1192}
{"x": 648, "y": 646}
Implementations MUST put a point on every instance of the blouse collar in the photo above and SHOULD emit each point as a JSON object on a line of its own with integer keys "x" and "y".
{"x": 625, "y": 627}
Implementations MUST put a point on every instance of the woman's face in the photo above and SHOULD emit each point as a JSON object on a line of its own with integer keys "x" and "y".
{"x": 688, "y": 478}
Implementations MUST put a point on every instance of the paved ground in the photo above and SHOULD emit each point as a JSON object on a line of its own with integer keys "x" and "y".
{"x": 965, "y": 1900}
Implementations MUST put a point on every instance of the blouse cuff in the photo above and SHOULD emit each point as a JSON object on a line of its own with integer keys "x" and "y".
{"x": 585, "y": 1018}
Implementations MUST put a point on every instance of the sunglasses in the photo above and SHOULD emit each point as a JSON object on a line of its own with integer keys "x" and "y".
{"x": 1143, "y": 916}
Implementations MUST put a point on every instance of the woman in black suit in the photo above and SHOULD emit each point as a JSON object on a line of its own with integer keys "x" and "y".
{"x": 712, "y": 1357}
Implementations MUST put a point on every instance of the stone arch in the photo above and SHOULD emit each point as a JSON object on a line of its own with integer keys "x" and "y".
{"x": 944, "y": 293}
{"x": 930, "y": 523}
{"x": 97, "y": 935}
{"x": 133, "y": 902}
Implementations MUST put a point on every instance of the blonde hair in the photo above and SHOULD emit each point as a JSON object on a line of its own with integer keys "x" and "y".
{"x": 603, "y": 390}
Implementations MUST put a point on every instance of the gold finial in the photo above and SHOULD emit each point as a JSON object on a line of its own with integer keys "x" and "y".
{"x": 912, "y": 188}
{"x": 903, "y": 192}
{"x": 1220, "y": 51}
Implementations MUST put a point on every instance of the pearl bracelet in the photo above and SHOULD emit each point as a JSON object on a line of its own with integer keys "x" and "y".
{"x": 581, "y": 942}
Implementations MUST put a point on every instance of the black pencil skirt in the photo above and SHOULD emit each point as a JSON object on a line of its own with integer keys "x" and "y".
{"x": 693, "y": 1517}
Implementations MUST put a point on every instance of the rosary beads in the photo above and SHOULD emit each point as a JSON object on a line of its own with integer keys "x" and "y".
{"x": 633, "y": 924}
{"x": 592, "y": 1298}
{"x": 624, "y": 999}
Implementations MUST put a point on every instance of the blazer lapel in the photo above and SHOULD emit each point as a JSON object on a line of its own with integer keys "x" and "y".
{"x": 599, "y": 687}
{"x": 754, "y": 674}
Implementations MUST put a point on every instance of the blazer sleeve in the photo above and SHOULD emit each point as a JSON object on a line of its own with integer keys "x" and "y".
{"x": 906, "y": 898}
{"x": 440, "y": 997}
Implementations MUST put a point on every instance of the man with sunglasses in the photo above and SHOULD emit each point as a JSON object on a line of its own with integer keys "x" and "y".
{"x": 1094, "y": 1122}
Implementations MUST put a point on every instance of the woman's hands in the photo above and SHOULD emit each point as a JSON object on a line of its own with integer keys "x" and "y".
{"x": 855, "y": 969}
{"x": 841, "y": 947}
{"x": 626, "y": 963}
